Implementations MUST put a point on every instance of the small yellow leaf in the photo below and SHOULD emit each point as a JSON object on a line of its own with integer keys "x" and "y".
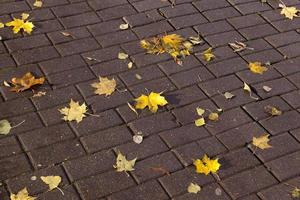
{"x": 256, "y": 67}
{"x": 65, "y": 33}
{"x": 122, "y": 56}
{"x": 267, "y": 88}
{"x": 130, "y": 64}
{"x": 5, "y": 127}
{"x": 207, "y": 165}
{"x": 289, "y": 12}
{"x": 152, "y": 101}
{"x": 194, "y": 188}
{"x": 22, "y": 195}
{"x": 122, "y": 164}
{"x": 124, "y": 26}
{"x": 139, "y": 77}
{"x": 105, "y": 86}
{"x": 247, "y": 87}
{"x": 296, "y": 193}
{"x": 228, "y": 95}
{"x": 38, "y": 3}
{"x": 213, "y": 116}
{"x": 75, "y": 112}
{"x": 273, "y": 111}
{"x": 261, "y": 142}
{"x": 51, "y": 181}
{"x": 1, "y": 25}
{"x": 200, "y": 122}
{"x": 200, "y": 111}
{"x": 208, "y": 55}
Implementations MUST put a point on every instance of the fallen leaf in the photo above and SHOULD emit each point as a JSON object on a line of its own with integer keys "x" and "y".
{"x": 207, "y": 165}
{"x": 152, "y": 101}
{"x": 194, "y": 188}
{"x": 22, "y": 195}
{"x": 6, "y": 84}
{"x": 132, "y": 108}
{"x": 218, "y": 191}
{"x": 200, "y": 111}
{"x": 1, "y": 25}
{"x": 122, "y": 56}
{"x": 74, "y": 112}
{"x": 195, "y": 40}
{"x": 239, "y": 46}
{"x": 208, "y": 55}
{"x": 39, "y": 94}
{"x": 130, "y": 64}
{"x": 65, "y": 33}
{"x": 296, "y": 193}
{"x": 25, "y": 82}
{"x": 38, "y": 3}
{"x": 248, "y": 89}
{"x": 5, "y": 127}
{"x": 256, "y": 67}
{"x": 213, "y": 116}
{"x": 137, "y": 76}
{"x": 273, "y": 111}
{"x": 51, "y": 181}
{"x": 19, "y": 24}
{"x": 228, "y": 95}
{"x": 267, "y": 88}
{"x": 200, "y": 122}
{"x": 138, "y": 138}
{"x": 105, "y": 86}
{"x": 289, "y": 12}
{"x": 261, "y": 142}
{"x": 124, "y": 26}
{"x": 122, "y": 164}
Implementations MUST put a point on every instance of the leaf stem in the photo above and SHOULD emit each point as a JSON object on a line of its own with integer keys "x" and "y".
{"x": 18, "y": 124}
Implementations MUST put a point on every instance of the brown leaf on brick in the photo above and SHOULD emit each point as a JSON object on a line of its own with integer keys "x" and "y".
{"x": 25, "y": 82}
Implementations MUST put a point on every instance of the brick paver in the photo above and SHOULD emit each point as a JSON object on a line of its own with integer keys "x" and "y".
{"x": 84, "y": 153}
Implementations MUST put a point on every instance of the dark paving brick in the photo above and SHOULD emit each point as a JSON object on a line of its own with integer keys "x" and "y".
{"x": 292, "y": 98}
{"x": 283, "y": 38}
{"x": 210, "y": 5}
{"x": 11, "y": 7}
{"x": 75, "y": 33}
{"x": 116, "y": 12}
{"x": 270, "y": 55}
{"x": 246, "y": 20}
{"x": 148, "y": 5}
{"x": 181, "y": 9}
{"x": 248, "y": 77}
{"x": 213, "y": 28}
{"x": 105, "y": 4}
{"x": 71, "y": 9}
{"x": 152, "y": 29}
{"x": 105, "y": 27}
{"x": 143, "y": 18}
{"x": 221, "y": 13}
{"x": 80, "y": 20}
{"x": 252, "y": 7}
{"x": 116, "y": 38}
{"x": 227, "y": 67}
{"x": 257, "y": 31}
{"x": 188, "y": 20}
{"x": 31, "y": 122}
{"x": 291, "y": 50}
{"x": 27, "y": 43}
{"x": 9, "y": 146}
{"x": 288, "y": 66}
{"x": 15, "y": 107}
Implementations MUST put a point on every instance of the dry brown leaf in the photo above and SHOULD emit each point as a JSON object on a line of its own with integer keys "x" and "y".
{"x": 130, "y": 64}
{"x": 194, "y": 188}
{"x": 273, "y": 111}
{"x": 25, "y": 82}
{"x": 105, "y": 86}
{"x": 239, "y": 46}
{"x": 213, "y": 116}
{"x": 65, "y": 34}
{"x": 139, "y": 77}
{"x": 261, "y": 142}
{"x": 132, "y": 108}
{"x": 122, "y": 56}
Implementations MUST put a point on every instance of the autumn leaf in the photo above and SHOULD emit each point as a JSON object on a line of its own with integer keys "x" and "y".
{"x": 74, "y": 112}
{"x": 195, "y": 40}
{"x": 200, "y": 122}
{"x": 239, "y": 46}
{"x": 124, "y": 26}
{"x": 105, "y": 86}
{"x": 25, "y": 82}
{"x": 129, "y": 65}
{"x": 51, "y": 181}
{"x": 208, "y": 55}
{"x": 296, "y": 193}
{"x": 122, "y": 56}
{"x": 261, "y": 142}
{"x": 1, "y": 25}
{"x": 194, "y": 188}
{"x": 152, "y": 101}
{"x": 273, "y": 111}
{"x": 22, "y": 23}
{"x": 289, "y": 12}
{"x": 256, "y": 67}
{"x": 228, "y": 95}
{"x": 124, "y": 165}
{"x": 5, "y": 127}
{"x": 200, "y": 111}
{"x": 207, "y": 165}
{"x": 38, "y": 3}
{"x": 267, "y": 88}
{"x": 22, "y": 195}
{"x": 248, "y": 89}
{"x": 172, "y": 40}
{"x": 213, "y": 116}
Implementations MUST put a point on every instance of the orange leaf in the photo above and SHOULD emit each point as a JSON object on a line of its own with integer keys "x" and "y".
{"x": 25, "y": 82}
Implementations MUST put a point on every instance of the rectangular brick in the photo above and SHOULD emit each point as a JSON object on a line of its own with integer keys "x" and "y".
{"x": 282, "y": 39}
{"x": 50, "y": 3}
{"x": 250, "y": 78}
{"x": 9, "y": 146}
{"x": 252, "y": 7}
{"x": 27, "y": 43}
{"x": 143, "y": 59}
{"x": 289, "y": 66}
{"x": 227, "y": 67}
{"x": 149, "y": 5}
{"x": 258, "y": 31}
{"x": 105, "y": 27}
{"x": 270, "y": 55}
{"x": 97, "y": 5}
{"x": 75, "y": 33}
{"x": 15, "y": 107}
{"x": 246, "y": 21}
{"x": 221, "y": 13}
{"x": 71, "y": 9}
{"x": 292, "y": 98}
{"x": 187, "y": 20}
{"x": 116, "y": 12}
{"x": 105, "y": 69}
{"x": 80, "y": 20}
{"x": 116, "y": 38}
{"x": 291, "y": 50}
{"x": 152, "y": 29}
{"x": 47, "y": 26}
{"x": 179, "y": 10}
{"x": 213, "y": 27}
{"x": 101, "y": 55}
{"x": 11, "y": 7}
{"x": 31, "y": 122}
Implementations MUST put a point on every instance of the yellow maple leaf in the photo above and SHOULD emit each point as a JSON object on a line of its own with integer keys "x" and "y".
{"x": 23, "y": 23}
{"x": 124, "y": 165}
{"x": 288, "y": 12}
{"x": 51, "y": 181}
{"x": 296, "y": 193}
{"x": 25, "y": 82}
{"x": 200, "y": 122}
{"x": 75, "y": 112}
{"x": 261, "y": 142}
{"x": 194, "y": 188}
{"x": 153, "y": 100}
{"x": 105, "y": 86}
{"x": 256, "y": 67}
{"x": 22, "y": 195}
{"x": 207, "y": 165}
{"x": 208, "y": 55}
{"x": 273, "y": 111}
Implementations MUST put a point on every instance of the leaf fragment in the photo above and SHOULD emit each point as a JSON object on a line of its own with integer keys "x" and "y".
{"x": 138, "y": 138}
{"x": 273, "y": 111}
{"x": 228, "y": 95}
{"x": 200, "y": 111}
{"x": 65, "y": 34}
{"x": 195, "y": 40}
{"x": 213, "y": 116}
{"x": 200, "y": 122}
{"x": 5, "y": 127}
{"x": 38, "y": 3}
{"x": 288, "y": 12}
{"x": 39, "y": 94}
{"x": 25, "y": 82}
{"x": 261, "y": 142}
{"x": 257, "y": 68}
{"x": 207, "y": 165}
{"x": 105, "y": 86}
{"x": 248, "y": 89}
{"x": 124, "y": 26}
{"x": 51, "y": 181}
{"x": 193, "y": 188}
{"x": 6, "y": 84}
{"x": 153, "y": 100}
{"x": 296, "y": 193}
{"x": 208, "y": 54}
{"x": 130, "y": 64}
{"x": 1, "y": 25}
{"x": 139, "y": 77}
{"x": 122, "y": 56}
{"x": 267, "y": 88}
{"x": 75, "y": 112}
{"x": 22, "y": 195}
{"x": 124, "y": 165}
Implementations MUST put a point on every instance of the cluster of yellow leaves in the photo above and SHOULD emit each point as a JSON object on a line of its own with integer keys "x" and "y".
{"x": 124, "y": 165}
{"x": 23, "y": 23}
{"x": 208, "y": 55}
{"x": 153, "y": 100}
{"x": 105, "y": 86}
{"x": 257, "y": 68}
{"x": 74, "y": 112}
{"x": 173, "y": 44}
{"x": 213, "y": 116}
{"x": 207, "y": 165}
{"x": 261, "y": 142}
{"x": 288, "y": 12}
{"x": 25, "y": 82}
{"x": 22, "y": 195}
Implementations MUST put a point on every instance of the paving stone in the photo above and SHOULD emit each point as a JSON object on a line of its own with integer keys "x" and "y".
{"x": 96, "y": 5}
{"x": 104, "y": 54}
{"x": 283, "y": 38}
{"x": 69, "y": 191}
{"x": 221, "y": 13}
{"x": 49, "y": 3}
{"x": 280, "y": 167}
{"x": 116, "y": 12}
{"x": 181, "y": 9}
{"x": 289, "y": 66}
{"x": 105, "y": 27}
{"x": 143, "y": 18}
{"x": 9, "y": 146}
{"x": 212, "y": 146}
{"x": 52, "y": 116}
{"x": 27, "y": 43}
{"x": 257, "y": 31}
{"x": 11, "y": 7}
{"x": 105, "y": 69}
{"x": 47, "y": 26}
{"x": 103, "y": 184}
{"x": 74, "y": 33}
{"x": 80, "y": 20}
{"x": 246, "y": 20}
{"x": 213, "y": 28}
{"x": 290, "y": 51}
{"x": 221, "y": 53}
{"x": 250, "y": 78}
{"x": 252, "y": 7}
{"x": 177, "y": 182}
{"x": 152, "y": 29}
{"x": 224, "y": 38}
{"x": 147, "y": 191}
{"x": 116, "y": 38}
{"x": 247, "y": 182}
{"x": 210, "y": 5}
{"x": 257, "y": 45}
{"x": 286, "y": 25}
{"x": 227, "y": 67}
{"x": 292, "y": 98}
{"x": 71, "y": 9}
{"x": 188, "y": 20}
{"x": 15, "y": 107}
{"x": 89, "y": 165}
{"x": 141, "y": 60}
{"x": 270, "y": 55}
{"x": 149, "y": 5}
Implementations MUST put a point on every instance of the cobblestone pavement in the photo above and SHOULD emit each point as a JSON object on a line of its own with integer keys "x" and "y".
{"x": 83, "y": 154}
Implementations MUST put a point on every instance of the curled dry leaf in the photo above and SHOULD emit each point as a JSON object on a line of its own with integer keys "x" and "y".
{"x": 296, "y": 193}
{"x": 22, "y": 195}
{"x": 153, "y": 100}
{"x": 208, "y": 54}
{"x": 261, "y": 142}
{"x": 19, "y": 24}
{"x": 130, "y": 64}
{"x": 5, "y": 127}
{"x": 105, "y": 86}
{"x": 273, "y": 111}
{"x": 257, "y": 68}
{"x": 213, "y": 116}
{"x": 193, "y": 188}
{"x": 288, "y": 12}
{"x": 51, "y": 181}
{"x": 65, "y": 34}
{"x": 195, "y": 40}
{"x": 228, "y": 95}
{"x": 25, "y": 82}
{"x": 124, "y": 165}
{"x": 6, "y": 84}
{"x": 200, "y": 111}
{"x": 75, "y": 112}
{"x": 248, "y": 89}
{"x": 122, "y": 56}
{"x": 207, "y": 165}
{"x": 138, "y": 138}
{"x": 200, "y": 122}
{"x": 267, "y": 88}
{"x": 124, "y": 26}
{"x": 239, "y": 46}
